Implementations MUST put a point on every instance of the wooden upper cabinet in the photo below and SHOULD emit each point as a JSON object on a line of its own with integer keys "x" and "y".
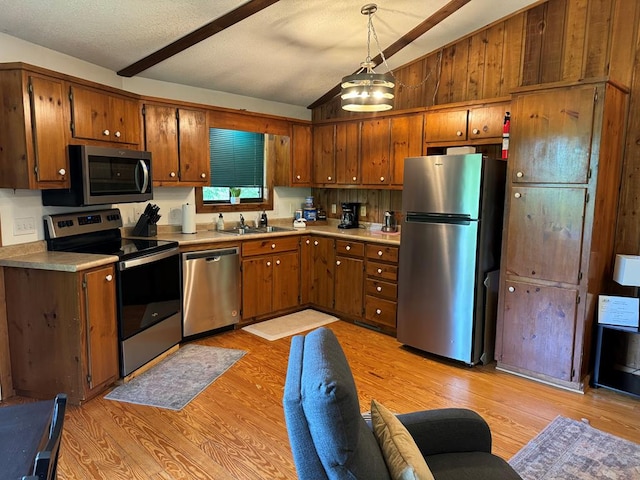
{"x": 301, "y": 155}
{"x": 564, "y": 120}
{"x": 545, "y": 226}
{"x": 34, "y": 126}
{"x": 406, "y": 141}
{"x": 445, "y": 126}
{"x": 486, "y": 122}
{"x": 324, "y": 158}
{"x": 178, "y": 139}
{"x": 102, "y": 116}
{"x": 375, "y": 144}
{"x": 348, "y": 153}
{"x": 193, "y": 147}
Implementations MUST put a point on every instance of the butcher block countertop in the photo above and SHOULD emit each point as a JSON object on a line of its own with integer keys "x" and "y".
{"x": 75, "y": 262}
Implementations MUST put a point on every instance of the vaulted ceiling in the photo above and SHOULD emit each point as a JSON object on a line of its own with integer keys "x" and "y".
{"x": 289, "y": 51}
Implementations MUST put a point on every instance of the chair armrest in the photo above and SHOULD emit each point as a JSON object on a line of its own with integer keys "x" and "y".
{"x": 448, "y": 430}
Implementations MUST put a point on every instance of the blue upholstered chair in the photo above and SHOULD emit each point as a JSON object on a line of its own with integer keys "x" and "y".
{"x": 331, "y": 440}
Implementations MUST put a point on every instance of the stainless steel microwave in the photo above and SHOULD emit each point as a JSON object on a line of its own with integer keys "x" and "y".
{"x": 101, "y": 175}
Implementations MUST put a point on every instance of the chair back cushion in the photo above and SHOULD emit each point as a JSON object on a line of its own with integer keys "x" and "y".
{"x": 329, "y": 438}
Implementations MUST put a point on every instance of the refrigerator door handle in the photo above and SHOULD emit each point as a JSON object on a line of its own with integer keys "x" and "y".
{"x": 452, "y": 219}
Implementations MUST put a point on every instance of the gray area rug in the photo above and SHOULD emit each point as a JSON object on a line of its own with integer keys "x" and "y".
{"x": 179, "y": 378}
{"x": 571, "y": 450}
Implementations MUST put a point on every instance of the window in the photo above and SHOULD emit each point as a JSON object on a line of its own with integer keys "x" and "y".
{"x": 237, "y": 161}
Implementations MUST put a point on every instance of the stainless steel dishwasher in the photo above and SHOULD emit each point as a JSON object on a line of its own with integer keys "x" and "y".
{"x": 210, "y": 290}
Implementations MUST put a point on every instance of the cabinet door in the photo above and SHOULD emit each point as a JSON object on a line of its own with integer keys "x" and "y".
{"x": 486, "y": 122}
{"x": 90, "y": 114}
{"x": 193, "y": 147}
{"x": 306, "y": 269}
{"x": 545, "y": 229}
{"x": 406, "y": 141}
{"x": 375, "y": 149}
{"x": 286, "y": 280}
{"x": 125, "y": 120}
{"x": 564, "y": 119}
{"x": 101, "y": 329}
{"x": 348, "y": 153}
{"x": 48, "y": 128}
{"x": 302, "y": 154}
{"x": 447, "y": 126}
{"x": 538, "y": 329}
{"x": 161, "y": 139}
{"x": 324, "y": 167}
{"x": 257, "y": 285}
{"x": 323, "y": 256}
{"x": 349, "y": 275}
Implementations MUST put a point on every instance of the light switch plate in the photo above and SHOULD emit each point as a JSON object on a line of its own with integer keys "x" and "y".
{"x": 24, "y": 226}
{"x": 363, "y": 211}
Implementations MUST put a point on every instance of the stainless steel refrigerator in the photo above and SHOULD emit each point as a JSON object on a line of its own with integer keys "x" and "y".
{"x": 450, "y": 244}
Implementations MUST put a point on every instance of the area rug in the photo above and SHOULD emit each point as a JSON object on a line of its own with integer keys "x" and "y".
{"x": 179, "y": 378}
{"x": 290, "y": 324}
{"x": 571, "y": 450}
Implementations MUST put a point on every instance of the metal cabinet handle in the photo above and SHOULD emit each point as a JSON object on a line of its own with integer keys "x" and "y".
{"x": 62, "y": 171}
{"x": 517, "y": 194}
{"x": 378, "y": 311}
{"x": 519, "y": 174}
{"x": 117, "y": 134}
{"x": 172, "y": 174}
{"x": 106, "y": 133}
{"x": 108, "y": 278}
{"x": 512, "y": 289}
{"x": 379, "y": 289}
{"x": 338, "y": 262}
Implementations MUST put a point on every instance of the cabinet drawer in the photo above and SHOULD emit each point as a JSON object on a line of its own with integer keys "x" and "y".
{"x": 269, "y": 245}
{"x": 380, "y": 311}
{"x": 353, "y": 249}
{"x": 382, "y": 270}
{"x": 378, "y": 288}
{"x": 382, "y": 252}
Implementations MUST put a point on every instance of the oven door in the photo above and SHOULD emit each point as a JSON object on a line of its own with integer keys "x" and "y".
{"x": 149, "y": 308}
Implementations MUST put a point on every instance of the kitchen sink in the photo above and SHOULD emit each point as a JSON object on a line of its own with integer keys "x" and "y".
{"x": 254, "y": 230}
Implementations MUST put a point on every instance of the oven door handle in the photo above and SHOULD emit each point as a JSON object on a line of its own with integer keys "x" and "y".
{"x": 136, "y": 262}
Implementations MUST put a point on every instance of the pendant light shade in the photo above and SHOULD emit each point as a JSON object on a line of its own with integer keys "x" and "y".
{"x": 367, "y": 91}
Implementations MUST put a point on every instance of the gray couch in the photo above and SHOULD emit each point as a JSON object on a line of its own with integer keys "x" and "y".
{"x": 330, "y": 439}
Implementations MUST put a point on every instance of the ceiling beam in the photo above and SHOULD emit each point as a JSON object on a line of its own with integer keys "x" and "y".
{"x": 225, "y": 21}
{"x": 449, "y": 9}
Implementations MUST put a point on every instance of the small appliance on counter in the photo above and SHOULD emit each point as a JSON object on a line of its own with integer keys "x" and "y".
{"x": 349, "y": 217}
{"x": 390, "y": 223}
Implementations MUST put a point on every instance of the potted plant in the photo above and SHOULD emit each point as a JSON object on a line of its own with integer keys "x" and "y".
{"x": 234, "y": 193}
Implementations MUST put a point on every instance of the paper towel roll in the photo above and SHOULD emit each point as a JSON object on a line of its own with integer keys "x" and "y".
{"x": 188, "y": 218}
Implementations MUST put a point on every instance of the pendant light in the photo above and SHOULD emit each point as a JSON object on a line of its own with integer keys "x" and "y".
{"x": 367, "y": 91}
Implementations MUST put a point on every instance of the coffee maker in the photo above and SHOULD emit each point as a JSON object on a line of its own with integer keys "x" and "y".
{"x": 349, "y": 218}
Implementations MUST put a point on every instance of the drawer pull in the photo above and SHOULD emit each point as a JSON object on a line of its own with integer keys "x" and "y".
{"x": 517, "y": 195}
{"x": 347, "y": 248}
{"x": 354, "y": 178}
{"x": 379, "y": 289}
{"x": 475, "y": 131}
{"x": 379, "y": 270}
{"x": 382, "y": 179}
{"x": 519, "y": 174}
{"x": 62, "y": 172}
{"x": 338, "y": 262}
{"x": 108, "y": 278}
{"x": 378, "y": 311}
{"x": 329, "y": 178}
{"x": 273, "y": 245}
{"x": 106, "y": 133}
{"x": 203, "y": 175}
{"x": 379, "y": 253}
{"x": 117, "y": 134}
{"x": 172, "y": 174}
{"x": 512, "y": 289}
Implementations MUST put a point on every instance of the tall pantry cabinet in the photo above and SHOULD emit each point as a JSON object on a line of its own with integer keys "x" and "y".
{"x": 562, "y": 194}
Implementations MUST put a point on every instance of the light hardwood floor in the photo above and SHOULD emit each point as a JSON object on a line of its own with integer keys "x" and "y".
{"x": 235, "y": 429}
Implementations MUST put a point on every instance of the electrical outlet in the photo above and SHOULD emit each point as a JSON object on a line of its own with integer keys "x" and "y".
{"x": 334, "y": 209}
{"x": 175, "y": 216}
{"x": 363, "y": 211}
{"x": 24, "y": 226}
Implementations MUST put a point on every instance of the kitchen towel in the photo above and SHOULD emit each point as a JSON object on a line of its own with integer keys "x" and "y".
{"x": 188, "y": 218}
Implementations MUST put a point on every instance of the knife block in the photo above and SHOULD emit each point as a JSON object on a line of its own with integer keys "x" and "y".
{"x": 144, "y": 227}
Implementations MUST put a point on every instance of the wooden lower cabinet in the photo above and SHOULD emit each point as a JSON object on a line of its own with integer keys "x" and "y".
{"x": 62, "y": 331}
{"x": 349, "y": 278}
{"x": 270, "y": 276}
{"x": 322, "y": 261}
{"x": 381, "y": 288}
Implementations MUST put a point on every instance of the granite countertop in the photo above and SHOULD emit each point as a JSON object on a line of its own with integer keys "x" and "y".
{"x": 75, "y": 262}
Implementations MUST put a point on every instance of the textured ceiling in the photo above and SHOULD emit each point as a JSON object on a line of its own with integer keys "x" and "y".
{"x": 293, "y": 51}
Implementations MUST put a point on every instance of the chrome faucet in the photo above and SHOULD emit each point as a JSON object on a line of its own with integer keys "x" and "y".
{"x": 241, "y": 221}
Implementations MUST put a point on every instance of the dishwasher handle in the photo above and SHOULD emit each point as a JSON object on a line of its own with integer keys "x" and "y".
{"x": 210, "y": 255}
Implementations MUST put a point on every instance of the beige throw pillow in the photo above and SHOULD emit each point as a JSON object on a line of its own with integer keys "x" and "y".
{"x": 403, "y": 458}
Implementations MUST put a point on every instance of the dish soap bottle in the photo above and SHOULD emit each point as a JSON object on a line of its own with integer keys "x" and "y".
{"x": 264, "y": 222}
{"x": 220, "y": 223}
